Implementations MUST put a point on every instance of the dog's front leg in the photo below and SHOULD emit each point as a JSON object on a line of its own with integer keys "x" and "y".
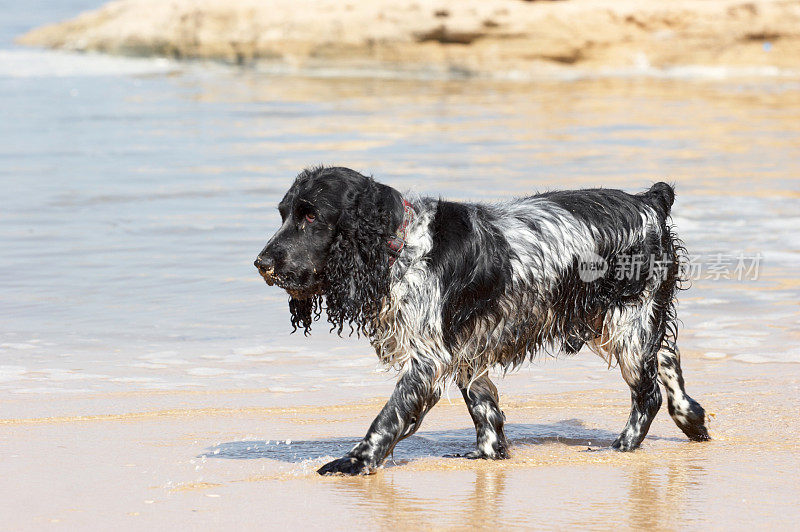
{"x": 415, "y": 394}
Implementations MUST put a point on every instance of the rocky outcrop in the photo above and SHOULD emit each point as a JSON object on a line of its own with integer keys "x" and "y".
{"x": 483, "y": 37}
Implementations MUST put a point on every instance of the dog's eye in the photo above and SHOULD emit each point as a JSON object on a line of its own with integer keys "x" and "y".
{"x": 310, "y": 218}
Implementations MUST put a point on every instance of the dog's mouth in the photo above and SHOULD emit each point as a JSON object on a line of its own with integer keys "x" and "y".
{"x": 268, "y": 275}
{"x": 294, "y": 290}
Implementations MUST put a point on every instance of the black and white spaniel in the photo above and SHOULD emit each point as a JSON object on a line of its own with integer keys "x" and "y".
{"x": 445, "y": 291}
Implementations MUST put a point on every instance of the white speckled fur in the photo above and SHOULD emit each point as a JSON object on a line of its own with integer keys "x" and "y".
{"x": 411, "y": 323}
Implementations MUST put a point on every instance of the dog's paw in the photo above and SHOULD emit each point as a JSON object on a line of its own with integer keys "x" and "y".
{"x": 346, "y": 465}
{"x": 693, "y": 422}
{"x": 624, "y": 445}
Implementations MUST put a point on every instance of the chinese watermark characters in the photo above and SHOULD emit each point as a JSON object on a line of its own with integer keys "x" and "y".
{"x": 720, "y": 266}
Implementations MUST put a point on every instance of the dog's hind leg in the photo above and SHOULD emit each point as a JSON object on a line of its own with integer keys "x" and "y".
{"x": 483, "y": 404}
{"x": 685, "y": 411}
{"x": 645, "y": 403}
{"x": 629, "y": 336}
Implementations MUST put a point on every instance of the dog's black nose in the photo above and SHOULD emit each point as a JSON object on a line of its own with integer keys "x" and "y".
{"x": 264, "y": 263}
{"x": 266, "y": 267}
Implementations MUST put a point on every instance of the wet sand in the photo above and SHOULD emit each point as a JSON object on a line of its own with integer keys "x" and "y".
{"x": 185, "y": 460}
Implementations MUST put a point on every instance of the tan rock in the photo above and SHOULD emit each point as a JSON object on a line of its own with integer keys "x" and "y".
{"x": 505, "y": 38}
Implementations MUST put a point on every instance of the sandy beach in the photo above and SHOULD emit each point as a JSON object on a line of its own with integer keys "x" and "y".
{"x": 148, "y": 377}
{"x": 226, "y": 459}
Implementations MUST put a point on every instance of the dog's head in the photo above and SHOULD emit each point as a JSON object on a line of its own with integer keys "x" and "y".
{"x": 333, "y": 242}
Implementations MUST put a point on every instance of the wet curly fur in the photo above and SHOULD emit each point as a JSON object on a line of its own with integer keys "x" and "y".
{"x": 485, "y": 285}
{"x": 356, "y": 275}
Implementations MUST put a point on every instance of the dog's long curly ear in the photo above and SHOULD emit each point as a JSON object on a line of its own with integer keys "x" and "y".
{"x": 357, "y": 271}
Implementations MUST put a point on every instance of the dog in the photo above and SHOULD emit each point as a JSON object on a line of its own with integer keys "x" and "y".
{"x": 445, "y": 291}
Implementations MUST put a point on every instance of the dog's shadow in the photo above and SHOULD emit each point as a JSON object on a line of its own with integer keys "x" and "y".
{"x": 571, "y": 432}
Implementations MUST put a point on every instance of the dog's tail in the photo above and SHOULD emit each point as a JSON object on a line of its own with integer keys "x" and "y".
{"x": 661, "y": 196}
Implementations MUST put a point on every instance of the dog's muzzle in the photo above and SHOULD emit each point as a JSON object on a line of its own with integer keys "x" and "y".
{"x": 267, "y": 270}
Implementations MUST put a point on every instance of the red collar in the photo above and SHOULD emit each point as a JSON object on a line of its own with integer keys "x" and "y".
{"x": 398, "y": 241}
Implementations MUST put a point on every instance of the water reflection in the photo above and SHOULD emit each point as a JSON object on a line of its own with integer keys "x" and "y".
{"x": 548, "y": 483}
{"x": 641, "y": 494}
{"x": 665, "y": 495}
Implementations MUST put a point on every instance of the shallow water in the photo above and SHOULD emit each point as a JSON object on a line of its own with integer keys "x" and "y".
{"x": 138, "y": 191}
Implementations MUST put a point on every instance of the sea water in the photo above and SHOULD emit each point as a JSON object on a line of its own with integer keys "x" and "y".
{"x": 136, "y": 194}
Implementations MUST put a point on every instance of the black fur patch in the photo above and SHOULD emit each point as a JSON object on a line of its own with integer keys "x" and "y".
{"x": 470, "y": 252}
